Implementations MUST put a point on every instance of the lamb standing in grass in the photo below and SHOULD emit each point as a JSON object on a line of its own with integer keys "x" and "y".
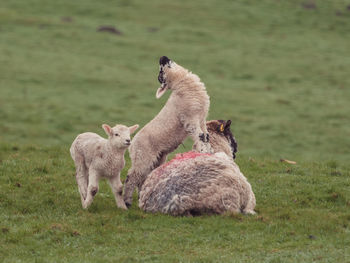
{"x": 96, "y": 157}
{"x": 194, "y": 183}
{"x": 183, "y": 115}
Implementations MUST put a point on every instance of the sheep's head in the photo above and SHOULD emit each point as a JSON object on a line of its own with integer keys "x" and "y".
{"x": 119, "y": 135}
{"x": 221, "y": 137}
{"x": 167, "y": 69}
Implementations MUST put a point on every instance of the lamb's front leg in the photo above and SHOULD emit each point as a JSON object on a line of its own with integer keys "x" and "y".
{"x": 199, "y": 137}
{"x": 203, "y": 127}
{"x": 92, "y": 187}
{"x": 117, "y": 188}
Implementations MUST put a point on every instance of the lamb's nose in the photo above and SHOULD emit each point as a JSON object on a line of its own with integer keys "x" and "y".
{"x": 128, "y": 141}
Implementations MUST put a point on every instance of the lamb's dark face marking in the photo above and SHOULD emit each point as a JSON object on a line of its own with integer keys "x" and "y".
{"x": 161, "y": 78}
{"x": 164, "y": 62}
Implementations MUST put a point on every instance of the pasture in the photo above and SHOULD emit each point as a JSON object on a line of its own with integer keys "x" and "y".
{"x": 278, "y": 69}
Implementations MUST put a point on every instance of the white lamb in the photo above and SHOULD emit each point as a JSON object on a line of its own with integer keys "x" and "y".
{"x": 96, "y": 157}
{"x": 184, "y": 114}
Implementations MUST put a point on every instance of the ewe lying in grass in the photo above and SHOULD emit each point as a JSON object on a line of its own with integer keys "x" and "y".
{"x": 194, "y": 183}
{"x": 96, "y": 157}
{"x": 183, "y": 115}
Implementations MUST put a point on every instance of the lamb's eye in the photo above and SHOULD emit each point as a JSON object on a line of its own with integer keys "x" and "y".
{"x": 116, "y": 134}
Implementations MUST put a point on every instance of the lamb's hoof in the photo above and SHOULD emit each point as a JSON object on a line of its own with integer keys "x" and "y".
{"x": 202, "y": 137}
{"x": 249, "y": 212}
{"x": 207, "y": 137}
{"x": 128, "y": 205}
{"x": 123, "y": 207}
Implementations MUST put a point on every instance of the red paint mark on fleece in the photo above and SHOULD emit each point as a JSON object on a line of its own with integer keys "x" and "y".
{"x": 180, "y": 157}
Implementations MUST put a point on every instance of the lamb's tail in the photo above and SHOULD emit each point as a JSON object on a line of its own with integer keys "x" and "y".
{"x": 72, "y": 152}
{"x": 72, "y": 149}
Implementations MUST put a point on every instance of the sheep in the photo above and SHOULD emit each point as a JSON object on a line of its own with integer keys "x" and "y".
{"x": 218, "y": 130}
{"x": 184, "y": 114}
{"x": 196, "y": 183}
{"x": 96, "y": 157}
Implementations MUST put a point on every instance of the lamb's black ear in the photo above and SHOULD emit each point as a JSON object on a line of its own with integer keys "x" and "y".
{"x": 233, "y": 142}
{"x": 163, "y": 60}
{"x": 228, "y": 124}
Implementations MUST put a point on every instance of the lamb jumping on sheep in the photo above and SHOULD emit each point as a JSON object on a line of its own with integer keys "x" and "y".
{"x": 183, "y": 115}
{"x": 96, "y": 157}
{"x": 194, "y": 183}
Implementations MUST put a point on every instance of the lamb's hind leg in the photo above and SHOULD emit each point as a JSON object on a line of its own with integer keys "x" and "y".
{"x": 161, "y": 160}
{"x": 92, "y": 188}
{"x": 117, "y": 188}
{"x": 82, "y": 177}
{"x": 130, "y": 185}
{"x": 137, "y": 174}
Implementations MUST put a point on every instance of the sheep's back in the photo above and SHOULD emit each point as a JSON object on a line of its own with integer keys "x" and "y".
{"x": 87, "y": 144}
{"x": 190, "y": 185}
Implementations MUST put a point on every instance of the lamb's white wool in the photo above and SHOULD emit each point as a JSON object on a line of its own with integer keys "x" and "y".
{"x": 184, "y": 114}
{"x": 194, "y": 183}
{"x": 96, "y": 157}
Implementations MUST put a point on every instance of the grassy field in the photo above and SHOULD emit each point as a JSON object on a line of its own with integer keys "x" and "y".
{"x": 278, "y": 69}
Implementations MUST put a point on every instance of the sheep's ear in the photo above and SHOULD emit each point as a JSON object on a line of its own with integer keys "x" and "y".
{"x": 227, "y": 125}
{"x": 107, "y": 129}
{"x": 132, "y": 129}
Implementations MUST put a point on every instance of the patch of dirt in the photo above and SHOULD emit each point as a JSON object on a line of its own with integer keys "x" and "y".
{"x": 66, "y": 19}
{"x": 152, "y": 29}
{"x": 75, "y": 233}
{"x": 309, "y": 5}
{"x": 109, "y": 29}
{"x": 338, "y": 13}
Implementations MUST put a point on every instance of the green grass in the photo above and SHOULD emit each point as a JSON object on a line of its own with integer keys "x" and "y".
{"x": 278, "y": 70}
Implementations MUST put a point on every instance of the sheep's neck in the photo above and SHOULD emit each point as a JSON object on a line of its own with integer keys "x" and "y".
{"x": 115, "y": 150}
{"x": 183, "y": 87}
{"x": 220, "y": 144}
